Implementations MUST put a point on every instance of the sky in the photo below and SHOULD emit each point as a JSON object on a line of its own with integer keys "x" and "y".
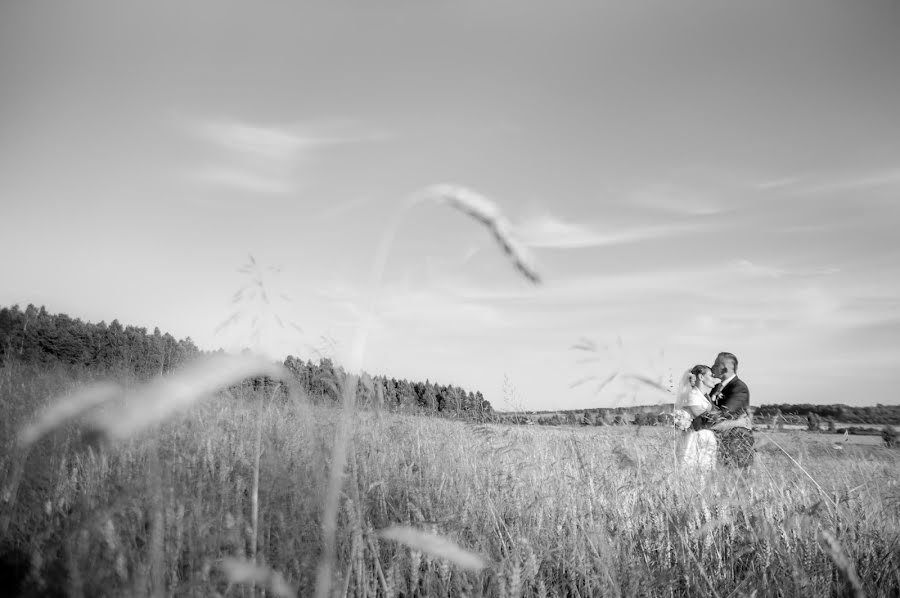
{"x": 688, "y": 178}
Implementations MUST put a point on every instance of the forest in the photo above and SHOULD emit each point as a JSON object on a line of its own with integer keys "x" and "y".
{"x": 34, "y": 335}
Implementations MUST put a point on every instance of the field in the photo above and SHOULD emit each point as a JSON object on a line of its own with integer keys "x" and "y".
{"x": 554, "y": 512}
{"x": 801, "y": 435}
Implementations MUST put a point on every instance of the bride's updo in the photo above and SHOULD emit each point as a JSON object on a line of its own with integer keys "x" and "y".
{"x": 696, "y": 372}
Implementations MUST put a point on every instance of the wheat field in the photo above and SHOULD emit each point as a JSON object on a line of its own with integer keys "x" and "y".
{"x": 178, "y": 509}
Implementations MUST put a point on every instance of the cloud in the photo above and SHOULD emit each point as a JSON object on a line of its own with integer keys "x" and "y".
{"x": 812, "y": 184}
{"x": 269, "y": 143}
{"x": 549, "y": 232}
{"x": 435, "y": 309}
{"x": 428, "y": 308}
{"x": 748, "y": 267}
{"x": 725, "y": 300}
{"x": 675, "y": 200}
{"x": 267, "y": 159}
{"x": 620, "y": 294}
{"x": 755, "y": 269}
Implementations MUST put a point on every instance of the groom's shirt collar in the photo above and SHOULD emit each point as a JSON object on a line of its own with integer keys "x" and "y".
{"x": 727, "y": 380}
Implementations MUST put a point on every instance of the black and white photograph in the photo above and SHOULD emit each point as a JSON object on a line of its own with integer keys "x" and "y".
{"x": 442, "y": 298}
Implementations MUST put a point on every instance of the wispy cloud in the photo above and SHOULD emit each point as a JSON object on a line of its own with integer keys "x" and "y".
{"x": 270, "y": 143}
{"x": 246, "y": 180}
{"x": 550, "y": 232}
{"x": 748, "y": 267}
{"x": 432, "y": 308}
{"x": 675, "y": 200}
{"x": 815, "y": 184}
{"x": 728, "y": 300}
{"x": 424, "y": 308}
{"x": 595, "y": 291}
{"x": 757, "y": 269}
{"x": 267, "y": 159}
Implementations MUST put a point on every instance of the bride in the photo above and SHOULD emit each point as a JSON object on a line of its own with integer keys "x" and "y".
{"x": 695, "y": 448}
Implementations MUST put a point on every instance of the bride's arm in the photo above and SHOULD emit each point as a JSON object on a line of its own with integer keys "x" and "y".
{"x": 696, "y": 409}
{"x": 697, "y": 404}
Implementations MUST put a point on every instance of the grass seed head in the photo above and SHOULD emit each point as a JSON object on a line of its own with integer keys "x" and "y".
{"x": 435, "y": 546}
{"x": 489, "y": 214}
{"x": 842, "y": 561}
{"x": 467, "y": 201}
{"x": 152, "y": 402}
{"x": 68, "y": 408}
{"x": 239, "y": 571}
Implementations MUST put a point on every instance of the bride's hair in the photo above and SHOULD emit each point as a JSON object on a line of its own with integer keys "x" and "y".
{"x": 688, "y": 383}
{"x": 696, "y": 372}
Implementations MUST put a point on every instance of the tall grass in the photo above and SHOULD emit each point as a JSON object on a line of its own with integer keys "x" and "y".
{"x": 551, "y": 512}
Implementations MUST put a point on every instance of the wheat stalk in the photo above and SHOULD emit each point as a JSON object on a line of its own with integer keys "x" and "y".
{"x": 150, "y": 403}
{"x": 239, "y": 571}
{"x": 68, "y": 408}
{"x": 839, "y": 556}
{"x": 488, "y": 213}
{"x": 435, "y": 546}
{"x": 476, "y": 206}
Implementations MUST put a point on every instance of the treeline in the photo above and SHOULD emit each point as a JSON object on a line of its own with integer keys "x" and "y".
{"x": 36, "y": 336}
{"x": 325, "y": 380}
{"x": 643, "y": 415}
{"x": 813, "y": 416}
{"x": 879, "y": 414}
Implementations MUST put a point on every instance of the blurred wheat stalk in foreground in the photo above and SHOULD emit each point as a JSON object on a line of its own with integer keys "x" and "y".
{"x": 489, "y": 214}
{"x": 149, "y": 404}
{"x": 486, "y": 212}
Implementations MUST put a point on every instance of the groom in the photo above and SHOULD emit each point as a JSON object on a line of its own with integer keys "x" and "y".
{"x": 732, "y": 397}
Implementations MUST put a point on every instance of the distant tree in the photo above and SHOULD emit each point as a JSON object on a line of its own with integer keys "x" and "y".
{"x": 778, "y": 420}
{"x": 365, "y": 390}
{"x": 642, "y": 418}
{"x": 390, "y": 392}
{"x": 406, "y": 395}
{"x": 428, "y": 396}
{"x": 812, "y": 422}
{"x": 889, "y": 436}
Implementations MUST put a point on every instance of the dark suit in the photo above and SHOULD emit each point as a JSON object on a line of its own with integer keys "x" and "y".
{"x": 733, "y": 400}
{"x": 736, "y": 444}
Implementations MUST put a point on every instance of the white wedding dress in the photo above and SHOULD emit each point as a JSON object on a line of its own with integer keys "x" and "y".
{"x": 696, "y": 449}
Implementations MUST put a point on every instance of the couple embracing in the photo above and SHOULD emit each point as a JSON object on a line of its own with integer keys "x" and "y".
{"x": 712, "y": 410}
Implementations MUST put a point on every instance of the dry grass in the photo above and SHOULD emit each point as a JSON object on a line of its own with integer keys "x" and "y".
{"x": 488, "y": 213}
{"x": 553, "y": 512}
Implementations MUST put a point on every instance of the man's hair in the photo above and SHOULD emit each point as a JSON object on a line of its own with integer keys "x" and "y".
{"x": 729, "y": 357}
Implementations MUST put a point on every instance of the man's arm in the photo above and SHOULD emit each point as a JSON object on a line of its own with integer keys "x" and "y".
{"x": 738, "y": 398}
